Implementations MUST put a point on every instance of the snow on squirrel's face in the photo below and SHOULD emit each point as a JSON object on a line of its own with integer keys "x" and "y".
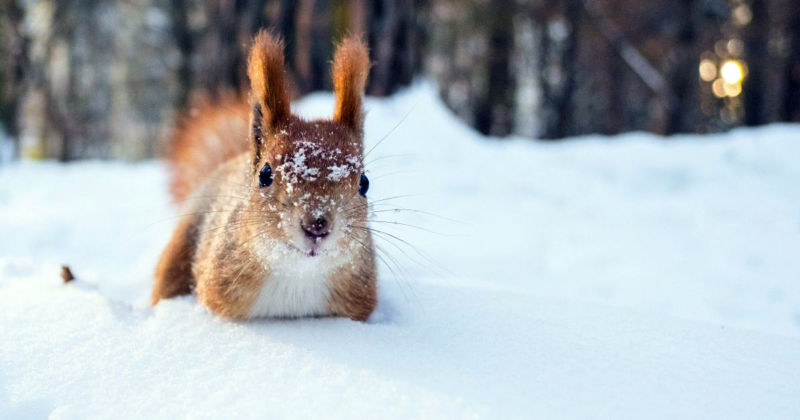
{"x": 311, "y": 178}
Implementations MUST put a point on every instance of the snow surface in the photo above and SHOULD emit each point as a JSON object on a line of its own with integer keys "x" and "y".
{"x": 631, "y": 277}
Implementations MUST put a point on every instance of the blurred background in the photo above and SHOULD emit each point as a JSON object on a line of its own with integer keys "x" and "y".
{"x": 107, "y": 78}
{"x": 531, "y": 261}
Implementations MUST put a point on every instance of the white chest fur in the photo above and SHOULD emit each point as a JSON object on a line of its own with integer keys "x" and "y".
{"x": 296, "y": 286}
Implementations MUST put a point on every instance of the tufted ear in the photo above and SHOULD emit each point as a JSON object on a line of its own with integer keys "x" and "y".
{"x": 268, "y": 89}
{"x": 350, "y": 70}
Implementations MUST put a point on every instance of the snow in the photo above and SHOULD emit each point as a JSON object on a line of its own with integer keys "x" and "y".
{"x": 340, "y": 172}
{"x": 630, "y": 277}
{"x": 295, "y": 168}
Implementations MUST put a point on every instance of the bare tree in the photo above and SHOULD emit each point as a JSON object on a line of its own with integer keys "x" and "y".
{"x": 790, "y": 107}
{"x": 13, "y": 63}
{"x": 395, "y": 37}
{"x": 495, "y": 108}
{"x": 683, "y": 69}
{"x": 756, "y": 36}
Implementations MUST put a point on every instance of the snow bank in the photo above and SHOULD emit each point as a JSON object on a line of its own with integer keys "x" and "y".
{"x": 628, "y": 277}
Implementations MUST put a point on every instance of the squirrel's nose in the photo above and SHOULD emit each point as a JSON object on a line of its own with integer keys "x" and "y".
{"x": 318, "y": 228}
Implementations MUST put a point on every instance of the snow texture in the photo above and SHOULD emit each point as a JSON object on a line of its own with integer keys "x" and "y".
{"x": 632, "y": 277}
{"x": 295, "y": 168}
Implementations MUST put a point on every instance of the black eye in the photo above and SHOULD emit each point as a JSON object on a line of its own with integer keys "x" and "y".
{"x": 265, "y": 176}
{"x": 363, "y": 185}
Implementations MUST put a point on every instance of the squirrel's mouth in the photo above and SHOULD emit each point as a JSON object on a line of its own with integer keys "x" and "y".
{"x": 314, "y": 250}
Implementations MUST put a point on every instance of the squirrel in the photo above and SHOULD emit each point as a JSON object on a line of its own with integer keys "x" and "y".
{"x": 274, "y": 210}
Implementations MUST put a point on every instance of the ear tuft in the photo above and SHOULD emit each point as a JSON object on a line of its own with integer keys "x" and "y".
{"x": 350, "y": 70}
{"x": 267, "y": 80}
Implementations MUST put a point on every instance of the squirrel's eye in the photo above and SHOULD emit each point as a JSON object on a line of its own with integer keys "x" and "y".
{"x": 265, "y": 176}
{"x": 363, "y": 185}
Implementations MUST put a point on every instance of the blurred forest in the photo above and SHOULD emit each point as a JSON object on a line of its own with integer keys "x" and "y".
{"x": 108, "y": 78}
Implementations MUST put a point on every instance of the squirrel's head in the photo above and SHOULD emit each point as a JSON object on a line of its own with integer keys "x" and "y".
{"x": 309, "y": 174}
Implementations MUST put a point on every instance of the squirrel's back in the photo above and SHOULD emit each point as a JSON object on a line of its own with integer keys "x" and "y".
{"x": 207, "y": 136}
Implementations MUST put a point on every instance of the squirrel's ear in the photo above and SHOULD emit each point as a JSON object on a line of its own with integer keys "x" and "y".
{"x": 267, "y": 83}
{"x": 350, "y": 70}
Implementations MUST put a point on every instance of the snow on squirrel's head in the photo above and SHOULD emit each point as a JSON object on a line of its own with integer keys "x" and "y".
{"x": 309, "y": 172}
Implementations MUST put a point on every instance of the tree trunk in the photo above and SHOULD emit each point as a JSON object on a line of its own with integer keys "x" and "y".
{"x": 393, "y": 37}
{"x": 558, "y": 64}
{"x": 756, "y": 55}
{"x": 569, "y": 61}
{"x": 184, "y": 40}
{"x": 791, "y": 71}
{"x": 682, "y": 75}
{"x": 495, "y": 110}
{"x": 13, "y": 63}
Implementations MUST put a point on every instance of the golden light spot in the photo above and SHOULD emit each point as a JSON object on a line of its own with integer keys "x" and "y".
{"x": 732, "y": 72}
{"x": 707, "y": 70}
{"x": 718, "y": 87}
{"x": 735, "y": 47}
{"x": 742, "y": 15}
{"x": 732, "y": 90}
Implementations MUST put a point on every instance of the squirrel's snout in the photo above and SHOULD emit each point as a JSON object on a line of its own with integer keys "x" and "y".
{"x": 316, "y": 228}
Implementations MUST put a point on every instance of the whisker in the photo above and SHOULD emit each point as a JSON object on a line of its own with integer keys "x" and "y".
{"x": 385, "y": 236}
{"x": 379, "y": 158}
{"x": 402, "y": 280}
{"x": 266, "y": 213}
{"x": 392, "y": 174}
{"x": 390, "y": 222}
{"x": 423, "y": 212}
{"x": 233, "y": 226}
{"x": 390, "y": 132}
{"x": 382, "y": 200}
{"x": 382, "y": 257}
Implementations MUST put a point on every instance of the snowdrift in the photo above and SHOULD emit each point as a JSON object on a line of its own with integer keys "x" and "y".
{"x": 627, "y": 277}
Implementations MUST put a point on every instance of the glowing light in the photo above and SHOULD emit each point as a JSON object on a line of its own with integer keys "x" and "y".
{"x": 742, "y": 15}
{"x": 732, "y": 90}
{"x": 707, "y": 70}
{"x": 718, "y": 87}
{"x": 732, "y": 72}
{"x": 735, "y": 47}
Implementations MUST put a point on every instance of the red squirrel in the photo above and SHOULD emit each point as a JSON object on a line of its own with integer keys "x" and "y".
{"x": 275, "y": 210}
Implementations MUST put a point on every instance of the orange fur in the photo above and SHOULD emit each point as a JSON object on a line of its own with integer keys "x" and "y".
{"x": 174, "y": 269}
{"x": 207, "y": 136}
{"x": 266, "y": 72}
{"x": 350, "y": 69}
